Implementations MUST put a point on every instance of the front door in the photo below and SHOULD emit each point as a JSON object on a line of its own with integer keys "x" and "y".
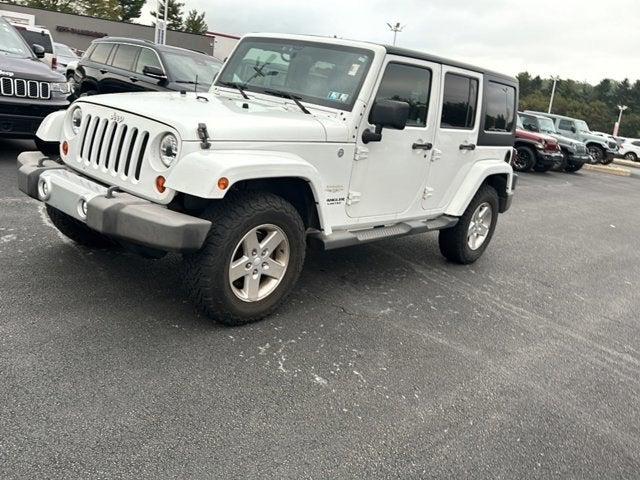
{"x": 457, "y": 133}
{"x": 389, "y": 176}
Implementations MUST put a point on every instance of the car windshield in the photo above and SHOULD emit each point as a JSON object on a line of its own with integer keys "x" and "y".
{"x": 317, "y": 73}
{"x": 582, "y": 126}
{"x": 520, "y": 125}
{"x": 189, "y": 67}
{"x": 546, "y": 125}
{"x": 64, "y": 51}
{"x": 11, "y": 43}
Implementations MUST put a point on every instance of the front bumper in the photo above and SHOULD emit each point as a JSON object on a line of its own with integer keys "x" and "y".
{"x": 548, "y": 159}
{"x": 119, "y": 215}
{"x": 20, "y": 118}
{"x": 579, "y": 157}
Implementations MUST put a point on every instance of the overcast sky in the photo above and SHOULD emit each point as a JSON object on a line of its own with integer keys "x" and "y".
{"x": 580, "y": 39}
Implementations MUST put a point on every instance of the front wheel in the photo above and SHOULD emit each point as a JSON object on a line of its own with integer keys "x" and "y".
{"x": 76, "y": 230}
{"x": 466, "y": 242}
{"x": 597, "y": 152}
{"x": 572, "y": 167}
{"x": 251, "y": 259}
{"x": 524, "y": 159}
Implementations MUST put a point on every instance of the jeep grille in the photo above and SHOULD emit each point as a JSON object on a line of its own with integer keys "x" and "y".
{"x": 113, "y": 147}
{"x": 18, "y": 87}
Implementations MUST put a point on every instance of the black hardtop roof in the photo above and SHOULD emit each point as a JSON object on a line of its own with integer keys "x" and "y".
{"x": 427, "y": 57}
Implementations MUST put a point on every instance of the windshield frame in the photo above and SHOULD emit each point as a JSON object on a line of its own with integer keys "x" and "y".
{"x": 312, "y": 101}
{"x": 541, "y": 120}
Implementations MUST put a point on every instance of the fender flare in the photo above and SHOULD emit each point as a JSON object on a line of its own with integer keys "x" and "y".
{"x": 50, "y": 130}
{"x": 478, "y": 174}
{"x": 197, "y": 173}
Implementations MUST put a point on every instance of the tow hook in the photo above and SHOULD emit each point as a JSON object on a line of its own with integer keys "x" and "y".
{"x": 205, "y": 144}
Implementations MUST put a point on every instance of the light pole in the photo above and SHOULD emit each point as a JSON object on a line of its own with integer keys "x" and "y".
{"x": 395, "y": 29}
{"x": 553, "y": 92}
{"x": 616, "y": 127}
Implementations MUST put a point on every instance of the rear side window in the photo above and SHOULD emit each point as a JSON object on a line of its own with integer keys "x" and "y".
{"x": 407, "y": 83}
{"x": 565, "y": 125}
{"x": 101, "y": 52}
{"x": 460, "y": 101}
{"x": 125, "y": 56}
{"x": 636, "y": 143}
{"x": 147, "y": 58}
{"x": 500, "y": 108}
{"x": 40, "y": 38}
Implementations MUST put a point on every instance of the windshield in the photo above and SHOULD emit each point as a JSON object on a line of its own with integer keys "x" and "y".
{"x": 519, "y": 123}
{"x": 11, "y": 43}
{"x": 64, "y": 51}
{"x": 546, "y": 125}
{"x": 323, "y": 74}
{"x": 186, "y": 66}
{"x": 582, "y": 126}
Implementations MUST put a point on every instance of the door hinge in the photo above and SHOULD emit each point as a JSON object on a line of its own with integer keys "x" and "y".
{"x": 428, "y": 192}
{"x": 353, "y": 197}
{"x": 436, "y": 155}
{"x": 362, "y": 153}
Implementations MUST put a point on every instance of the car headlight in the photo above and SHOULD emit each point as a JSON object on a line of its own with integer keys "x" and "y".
{"x": 61, "y": 87}
{"x": 76, "y": 120}
{"x": 168, "y": 149}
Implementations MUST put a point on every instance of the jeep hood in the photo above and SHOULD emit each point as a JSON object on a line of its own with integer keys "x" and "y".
{"x": 226, "y": 118}
{"x": 562, "y": 140}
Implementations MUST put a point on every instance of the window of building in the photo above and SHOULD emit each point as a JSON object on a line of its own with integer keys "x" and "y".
{"x": 460, "y": 101}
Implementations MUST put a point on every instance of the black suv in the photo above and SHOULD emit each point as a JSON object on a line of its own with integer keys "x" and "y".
{"x": 29, "y": 89}
{"x": 115, "y": 65}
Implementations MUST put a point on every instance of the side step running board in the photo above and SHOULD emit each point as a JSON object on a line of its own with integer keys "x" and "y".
{"x": 346, "y": 239}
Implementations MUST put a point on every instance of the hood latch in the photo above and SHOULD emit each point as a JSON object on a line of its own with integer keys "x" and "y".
{"x": 203, "y": 135}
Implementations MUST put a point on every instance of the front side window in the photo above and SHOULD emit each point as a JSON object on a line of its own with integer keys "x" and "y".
{"x": 565, "y": 125}
{"x": 101, "y": 52}
{"x": 459, "y": 101}
{"x": 147, "y": 58}
{"x": 125, "y": 56}
{"x": 500, "y": 108}
{"x": 407, "y": 83}
{"x": 582, "y": 126}
{"x": 322, "y": 74}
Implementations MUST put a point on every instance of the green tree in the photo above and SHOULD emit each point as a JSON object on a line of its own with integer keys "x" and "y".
{"x": 64, "y": 6}
{"x": 107, "y": 9}
{"x": 130, "y": 9}
{"x": 174, "y": 14}
{"x": 195, "y": 23}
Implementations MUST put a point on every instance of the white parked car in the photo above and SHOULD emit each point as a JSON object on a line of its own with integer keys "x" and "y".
{"x": 630, "y": 149}
{"x": 300, "y": 140}
{"x": 36, "y": 35}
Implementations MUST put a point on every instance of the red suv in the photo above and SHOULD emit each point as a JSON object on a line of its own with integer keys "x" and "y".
{"x": 535, "y": 151}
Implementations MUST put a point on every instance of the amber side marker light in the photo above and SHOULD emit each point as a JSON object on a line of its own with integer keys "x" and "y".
{"x": 65, "y": 148}
{"x": 223, "y": 183}
{"x": 160, "y": 184}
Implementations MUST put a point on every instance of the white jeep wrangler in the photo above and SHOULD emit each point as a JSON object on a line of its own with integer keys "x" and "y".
{"x": 300, "y": 140}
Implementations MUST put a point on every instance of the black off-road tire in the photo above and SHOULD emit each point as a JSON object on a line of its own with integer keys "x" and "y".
{"x": 206, "y": 271}
{"x": 525, "y": 159}
{"x": 77, "y": 231}
{"x": 598, "y": 154}
{"x": 453, "y": 241}
{"x": 572, "y": 167}
{"x": 542, "y": 168}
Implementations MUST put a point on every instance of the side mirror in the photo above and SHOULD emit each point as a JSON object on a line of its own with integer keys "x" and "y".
{"x": 386, "y": 114}
{"x": 38, "y": 50}
{"x": 573, "y": 129}
{"x": 154, "y": 72}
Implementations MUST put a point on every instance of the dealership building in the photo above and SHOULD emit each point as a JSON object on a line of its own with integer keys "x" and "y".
{"x": 78, "y": 31}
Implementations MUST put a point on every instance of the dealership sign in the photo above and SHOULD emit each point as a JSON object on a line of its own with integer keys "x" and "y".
{"x": 79, "y": 31}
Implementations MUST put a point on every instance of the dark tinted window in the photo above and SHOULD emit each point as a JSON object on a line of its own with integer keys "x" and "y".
{"x": 636, "y": 143}
{"x": 101, "y": 52}
{"x": 147, "y": 58}
{"x": 460, "y": 101}
{"x": 125, "y": 56}
{"x": 500, "y": 108}
{"x": 565, "y": 125}
{"x": 409, "y": 84}
{"x": 40, "y": 37}
{"x": 528, "y": 123}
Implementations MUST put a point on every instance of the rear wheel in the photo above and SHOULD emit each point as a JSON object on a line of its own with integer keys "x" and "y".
{"x": 467, "y": 241}
{"x": 524, "y": 159}
{"x": 251, "y": 258}
{"x": 631, "y": 156}
{"x": 76, "y": 230}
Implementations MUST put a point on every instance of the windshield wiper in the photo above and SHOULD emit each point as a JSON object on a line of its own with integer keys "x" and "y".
{"x": 237, "y": 87}
{"x": 278, "y": 93}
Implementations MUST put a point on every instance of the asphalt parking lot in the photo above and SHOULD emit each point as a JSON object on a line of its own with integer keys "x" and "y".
{"x": 387, "y": 362}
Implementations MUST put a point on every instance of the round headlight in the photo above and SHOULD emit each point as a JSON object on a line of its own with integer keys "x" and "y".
{"x": 168, "y": 149}
{"x": 76, "y": 120}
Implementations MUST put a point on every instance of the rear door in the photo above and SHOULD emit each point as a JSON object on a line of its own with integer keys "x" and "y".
{"x": 455, "y": 147}
{"x": 121, "y": 76}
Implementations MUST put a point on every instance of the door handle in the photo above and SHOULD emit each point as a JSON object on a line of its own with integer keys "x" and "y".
{"x": 134, "y": 79}
{"x": 422, "y": 146}
{"x": 103, "y": 71}
{"x": 467, "y": 146}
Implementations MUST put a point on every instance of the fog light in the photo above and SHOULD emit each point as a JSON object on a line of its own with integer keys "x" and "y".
{"x": 65, "y": 148}
{"x": 160, "y": 184}
{"x": 82, "y": 208}
{"x": 44, "y": 189}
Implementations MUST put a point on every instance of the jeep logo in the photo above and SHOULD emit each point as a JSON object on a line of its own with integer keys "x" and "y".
{"x": 116, "y": 118}
{"x": 5, "y": 73}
